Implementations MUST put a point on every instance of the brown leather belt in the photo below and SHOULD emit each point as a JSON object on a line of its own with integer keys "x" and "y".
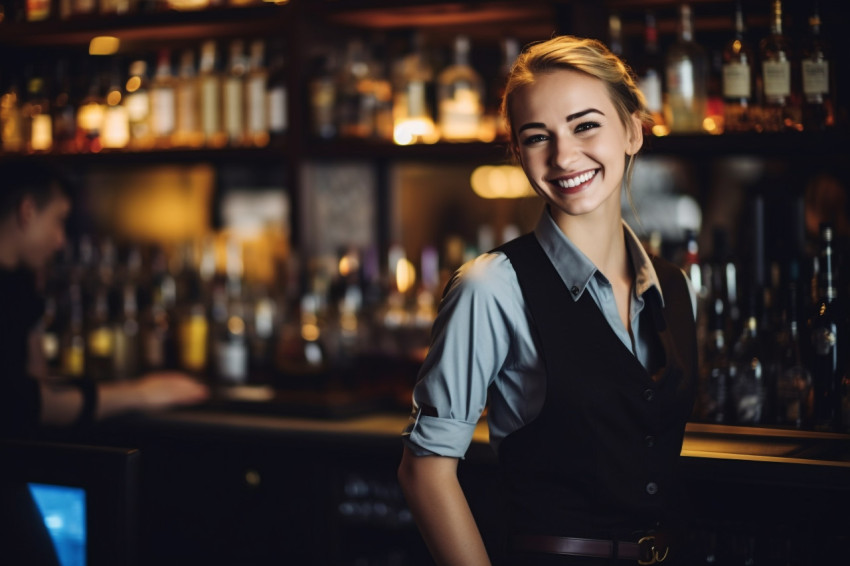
{"x": 644, "y": 551}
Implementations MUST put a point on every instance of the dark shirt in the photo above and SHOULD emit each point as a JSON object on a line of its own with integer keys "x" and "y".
{"x": 21, "y": 308}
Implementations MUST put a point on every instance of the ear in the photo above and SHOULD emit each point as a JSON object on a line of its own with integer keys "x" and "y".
{"x": 635, "y": 134}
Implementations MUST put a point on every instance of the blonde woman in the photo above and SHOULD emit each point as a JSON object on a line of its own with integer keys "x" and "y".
{"x": 585, "y": 345}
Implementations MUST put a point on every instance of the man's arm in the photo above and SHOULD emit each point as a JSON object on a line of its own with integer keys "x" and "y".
{"x": 433, "y": 492}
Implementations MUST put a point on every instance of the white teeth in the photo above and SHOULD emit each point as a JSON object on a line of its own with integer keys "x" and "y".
{"x": 576, "y": 181}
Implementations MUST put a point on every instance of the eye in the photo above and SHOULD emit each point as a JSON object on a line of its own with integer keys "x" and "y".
{"x": 534, "y": 138}
{"x": 585, "y": 126}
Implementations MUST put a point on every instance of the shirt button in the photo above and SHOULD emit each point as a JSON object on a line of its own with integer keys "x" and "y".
{"x": 648, "y": 394}
{"x": 650, "y": 441}
{"x": 575, "y": 290}
{"x": 652, "y": 488}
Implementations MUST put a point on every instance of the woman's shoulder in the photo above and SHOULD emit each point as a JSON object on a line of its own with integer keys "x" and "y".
{"x": 489, "y": 275}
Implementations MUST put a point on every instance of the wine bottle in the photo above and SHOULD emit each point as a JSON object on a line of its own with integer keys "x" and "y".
{"x": 818, "y": 82}
{"x": 779, "y": 107}
{"x": 686, "y": 69}
{"x": 649, "y": 76}
{"x": 460, "y": 94}
{"x": 738, "y": 79}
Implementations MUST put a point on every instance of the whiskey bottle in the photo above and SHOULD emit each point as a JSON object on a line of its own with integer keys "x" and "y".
{"x": 233, "y": 95}
{"x": 793, "y": 378}
{"x": 188, "y": 127}
{"x": 686, "y": 70}
{"x": 137, "y": 100}
{"x": 649, "y": 76}
{"x": 163, "y": 101}
{"x": 277, "y": 94}
{"x": 460, "y": 95}
{"x": 211, "y": 96}
{"x": 256, "y": 106}
{"x": 37, "y": 127}
{"x": 738, "y": 80}
{"x": 413, "y": 120}
{"x": 824, "y": 329}
{"x": 778, "y": 108}
{"x": 818, "y": 82}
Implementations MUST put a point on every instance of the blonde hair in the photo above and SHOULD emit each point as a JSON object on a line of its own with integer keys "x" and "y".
{"x": 588, "y": 56}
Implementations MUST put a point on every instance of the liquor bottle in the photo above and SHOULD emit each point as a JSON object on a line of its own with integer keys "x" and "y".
{"x": 38, "y": 10}
{"x": 211, "y": 99}
{"x": 354, "y": 97}
{"x": 747, "y": 374}
{"x": 83, "y": 8}
{"x": 686, "y": 70}
{"x": 116, "y": 120}
{"x": 72, "y": 344}
{"x": 818, "y": 82}
{"x": 793, "y": 379}
{"x": 163, "y": 101}
{"x": 192, "y": 324}
{"x": 277, "y": 94}
{"x": 649, "y": 76}
{"x": 127, "y": 335}
{"x": 413, "y": 120}
{"x": 187, "y": 132}
{"x": 233, "y": 94}
{"x": 256, "y": 106}
{"x": 715, "y": 396}
{"x": 63, "y": 109}
{"x": 100, "y": 344}
{"x": 263, "y": 334}
{"x": 824, "y": 329}
{"x": 510, "y": 50}
{"x": 37, "y": 127}
{"x": 90, "y": 112}
{"x": 460, "y": 95}
{"x": 11, "y": 126}
{"x": 231, "y": 342}
{"x": 779, "y": 111}
{"x": 138, "y": 103}
{"x": 323, "y": 96}
{"x": 738, "y": 79}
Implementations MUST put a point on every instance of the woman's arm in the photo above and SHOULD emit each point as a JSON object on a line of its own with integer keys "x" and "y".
{"x": 433, "y": 492}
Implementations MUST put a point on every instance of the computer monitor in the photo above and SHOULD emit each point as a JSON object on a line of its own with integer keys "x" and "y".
{"x": 86, "y": 495}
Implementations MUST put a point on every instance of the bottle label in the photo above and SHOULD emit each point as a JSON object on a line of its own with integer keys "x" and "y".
{"x": 460, "y": 115}
{"x": 777, "y": 78}
{"x": 416, "y": 105}
{"x": 256, "y": 94}
{"x": 815, "y": 77}
{"x": 233, "y": 361}
{"x": 193, "y": 343}
{"x": 210, "y": 106}
{"x": 163, "y": 103}
{"x": 187, "y": 108}
{"x": 277, "y": 109}
{"x": 138, "y": 107}
{"x": 42, "y": 132}
{"x": 116, "y": 127}
{"x": 233, "y": 117}
{"x": 680, "y": 80}
{"x": 650, "y": 85}
{"x": 736, "y": 80}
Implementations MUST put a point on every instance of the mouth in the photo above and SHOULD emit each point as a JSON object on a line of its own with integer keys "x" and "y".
{"x": 574, "y": 183}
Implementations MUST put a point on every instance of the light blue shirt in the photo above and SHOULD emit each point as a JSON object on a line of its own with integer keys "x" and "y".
{"x": 483, "y": 337}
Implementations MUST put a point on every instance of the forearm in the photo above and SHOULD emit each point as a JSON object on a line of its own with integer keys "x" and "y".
{"x": 442, "y": 513}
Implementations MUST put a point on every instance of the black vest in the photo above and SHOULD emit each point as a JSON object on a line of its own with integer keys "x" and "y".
{"x": 600, "y": 459}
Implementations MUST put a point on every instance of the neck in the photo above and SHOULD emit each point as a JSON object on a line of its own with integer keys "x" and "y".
{"x": 601, "y": 239}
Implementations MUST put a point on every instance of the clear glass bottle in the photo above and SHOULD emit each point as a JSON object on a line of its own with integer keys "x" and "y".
{"x": 818, "y": 81}
{"x": 138, "y": 103}
{"x": 187, "y": 132}
{"x": 256, "y": 105}
{"x": 163, "y": 101}
{"x": 779, "y": 107}
{"x": 413, "y": 79}
{"x": 460, "y": 96}
{"x": 686, "y": 70}
{"x": 738, "y": 73}
{"x": 233, "y": 95}
{"x": 650, "y": 76}
{"x": 211, "y": 86}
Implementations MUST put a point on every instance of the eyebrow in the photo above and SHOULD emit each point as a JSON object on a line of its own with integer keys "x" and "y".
{"x": 570, "y": 118}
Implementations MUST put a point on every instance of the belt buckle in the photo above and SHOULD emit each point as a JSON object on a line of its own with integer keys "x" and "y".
{"x": 648, "y": 552}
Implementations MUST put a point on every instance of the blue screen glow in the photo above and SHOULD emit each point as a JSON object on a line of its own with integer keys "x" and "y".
{"x": 64, "y": 511}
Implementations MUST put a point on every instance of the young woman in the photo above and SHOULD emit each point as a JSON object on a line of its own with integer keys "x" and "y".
{"x": 582, "y": 344}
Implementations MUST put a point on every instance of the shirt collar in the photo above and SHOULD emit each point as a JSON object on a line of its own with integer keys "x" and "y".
{"x": 576, "y": 270}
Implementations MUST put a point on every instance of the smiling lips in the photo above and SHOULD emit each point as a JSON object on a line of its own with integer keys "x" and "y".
{"x": 574, "y": 184}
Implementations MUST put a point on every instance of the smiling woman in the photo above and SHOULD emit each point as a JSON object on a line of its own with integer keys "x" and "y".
{"x": 583, "y": 346}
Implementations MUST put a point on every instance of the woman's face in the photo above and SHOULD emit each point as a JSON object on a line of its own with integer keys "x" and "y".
{"x": 571, "y": 142}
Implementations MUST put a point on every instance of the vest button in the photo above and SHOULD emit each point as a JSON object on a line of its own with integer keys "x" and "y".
{"x": 574, "y": 290}
{"x": 650, "y": 441}
{"x": 652, "y": 488}
{"x": 648, "y": 394}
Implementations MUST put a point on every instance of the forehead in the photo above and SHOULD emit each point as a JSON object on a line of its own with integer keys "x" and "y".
{"x": 562, "y": 91}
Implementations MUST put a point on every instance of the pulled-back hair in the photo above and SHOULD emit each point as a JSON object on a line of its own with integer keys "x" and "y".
{"x": 588, "y": 56}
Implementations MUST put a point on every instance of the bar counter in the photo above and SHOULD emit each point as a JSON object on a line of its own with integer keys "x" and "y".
{"x": 248, "y": 482}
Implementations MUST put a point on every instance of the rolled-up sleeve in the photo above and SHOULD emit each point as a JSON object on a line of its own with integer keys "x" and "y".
{"x": 470, "y": 342}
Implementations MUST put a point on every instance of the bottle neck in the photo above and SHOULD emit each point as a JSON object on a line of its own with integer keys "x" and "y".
{"x": 776, "y": 20}
{"x": 686, "y": 24}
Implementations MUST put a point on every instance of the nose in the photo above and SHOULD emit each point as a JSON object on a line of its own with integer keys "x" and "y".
{"x": 564, "y": 152}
